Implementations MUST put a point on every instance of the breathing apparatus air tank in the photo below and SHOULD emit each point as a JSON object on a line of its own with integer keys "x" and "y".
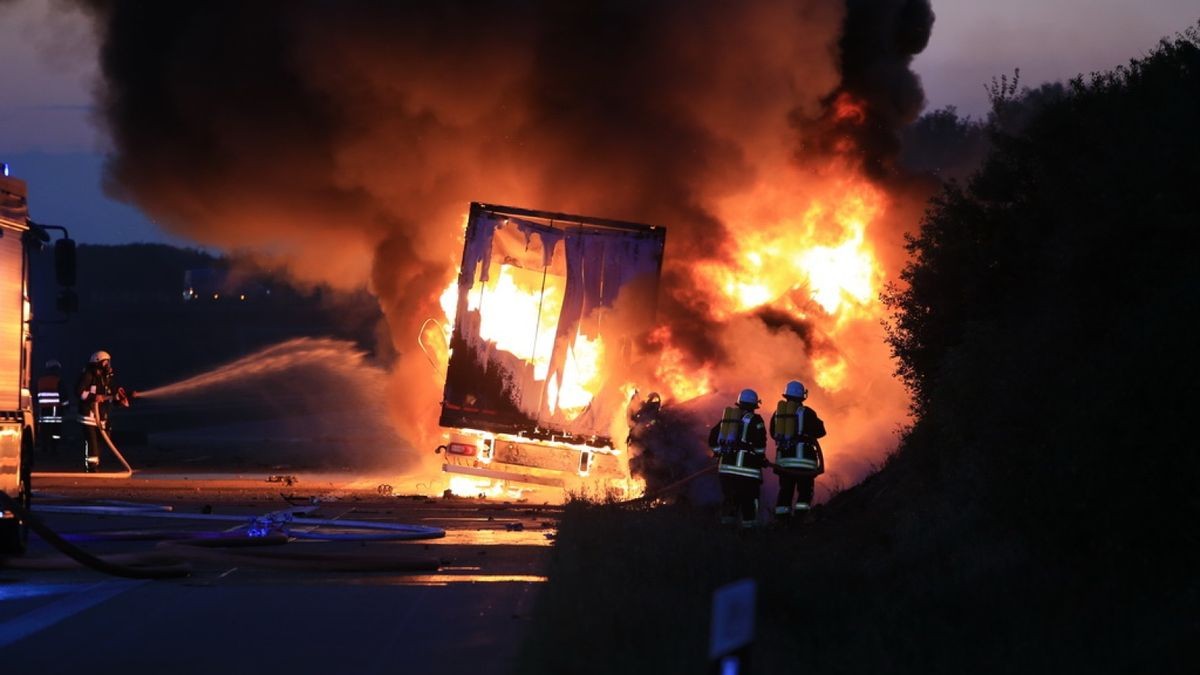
{"x": 786, "y": 419}
{"x": 731, "y": 427}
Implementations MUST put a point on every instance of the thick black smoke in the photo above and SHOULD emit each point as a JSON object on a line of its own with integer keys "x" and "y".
{"x": 285, "y": 126}
{"x": 345, "y": 140}
{"x": 877, "y": 47}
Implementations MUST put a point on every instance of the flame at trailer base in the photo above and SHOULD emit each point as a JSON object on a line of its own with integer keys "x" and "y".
{"x": 618, "y": 490}
{"x": 484, "y": 488}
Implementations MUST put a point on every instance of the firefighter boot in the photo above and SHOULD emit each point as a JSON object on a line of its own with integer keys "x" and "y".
{"x": 782, "y": 517}
{"x": 91, "y": 463}
{"x": 748, "y": 514}
{"x": 803, "y": 514}
{"x": 728, "y": 511}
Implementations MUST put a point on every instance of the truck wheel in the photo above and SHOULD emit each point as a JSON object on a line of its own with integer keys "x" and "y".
{"x": 14, "y": 533}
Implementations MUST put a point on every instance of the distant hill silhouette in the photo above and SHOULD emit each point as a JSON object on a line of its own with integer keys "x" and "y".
{"x": 131, "y": 304}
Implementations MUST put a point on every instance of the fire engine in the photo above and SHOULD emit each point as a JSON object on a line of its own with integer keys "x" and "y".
{"x": 19, "y": 236}
{"x": 548, "y": 311}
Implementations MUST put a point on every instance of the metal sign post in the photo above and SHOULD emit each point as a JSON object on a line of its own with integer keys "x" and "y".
{"x": 732, "y": 630}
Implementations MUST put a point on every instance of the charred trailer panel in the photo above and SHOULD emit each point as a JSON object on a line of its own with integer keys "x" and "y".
{"x": 549, "y": 309}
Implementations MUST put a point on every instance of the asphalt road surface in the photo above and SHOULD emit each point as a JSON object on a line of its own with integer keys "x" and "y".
{"x": 455, "y": 604}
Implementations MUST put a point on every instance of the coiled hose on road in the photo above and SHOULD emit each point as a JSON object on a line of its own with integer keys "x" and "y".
{"x": 170, "y": 557}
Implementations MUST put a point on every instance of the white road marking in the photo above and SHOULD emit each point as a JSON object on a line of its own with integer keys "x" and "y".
{"x": 21, "y": 627}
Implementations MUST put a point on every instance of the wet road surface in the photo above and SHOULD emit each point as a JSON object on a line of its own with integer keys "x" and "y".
{"x": 455, "y": 604}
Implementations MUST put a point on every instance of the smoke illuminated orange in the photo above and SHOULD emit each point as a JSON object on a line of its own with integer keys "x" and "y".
{"x": 846, "y": 109}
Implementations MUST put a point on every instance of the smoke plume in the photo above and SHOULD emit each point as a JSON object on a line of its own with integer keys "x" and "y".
{"x": 345, "y": 140}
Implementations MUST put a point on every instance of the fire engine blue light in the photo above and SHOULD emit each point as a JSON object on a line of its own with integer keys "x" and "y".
{"x": 5, "y": 165}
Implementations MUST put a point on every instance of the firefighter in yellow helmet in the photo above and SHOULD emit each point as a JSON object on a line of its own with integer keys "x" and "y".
{"x": 96, "y": 394}
{"x": 798, "y": 458}
{"x": 739, "y": 440}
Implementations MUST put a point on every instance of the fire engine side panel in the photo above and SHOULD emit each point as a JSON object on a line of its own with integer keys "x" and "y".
{"x": 12, "y": 317}
{"x": 13, "y": 417}
{"x": 10, "y": 455}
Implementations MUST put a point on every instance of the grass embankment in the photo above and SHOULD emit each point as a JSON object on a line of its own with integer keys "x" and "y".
{"x": 871, "y": 586}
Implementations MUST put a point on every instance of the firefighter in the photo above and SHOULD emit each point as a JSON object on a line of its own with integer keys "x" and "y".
{"x": 798, "y": 457}
{"x": 51, "y": 399}
{"x": 96, "y": 394}
{"x": 739, "y": 440}
{"x": 642, "y": 420}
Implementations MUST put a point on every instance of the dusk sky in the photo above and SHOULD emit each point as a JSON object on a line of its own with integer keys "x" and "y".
{"x": 48, "y": 138}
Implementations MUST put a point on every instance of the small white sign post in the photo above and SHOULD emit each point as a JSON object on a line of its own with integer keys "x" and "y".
{"x": 732, "y": 628}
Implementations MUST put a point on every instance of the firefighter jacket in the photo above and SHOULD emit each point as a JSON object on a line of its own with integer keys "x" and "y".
{"x": 743, "y": 457}
{"x": 800, "y": 452}
{"x": 93, "y": 383}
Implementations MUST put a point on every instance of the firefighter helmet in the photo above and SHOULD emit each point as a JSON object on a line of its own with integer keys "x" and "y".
{"x": 100, "y": 356}
{"x": 796, "y": 389}
{"x": 749, "y": 396}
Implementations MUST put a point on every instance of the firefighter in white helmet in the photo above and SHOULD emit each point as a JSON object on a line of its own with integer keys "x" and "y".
{"x": 798, "y": 457}
{"x": 739, "y": 440}
{"x": 96, "y": 394}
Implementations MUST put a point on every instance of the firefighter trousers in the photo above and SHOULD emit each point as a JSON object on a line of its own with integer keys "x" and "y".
{"x": 739, "y": 501}
{"x": 799, "y": 485}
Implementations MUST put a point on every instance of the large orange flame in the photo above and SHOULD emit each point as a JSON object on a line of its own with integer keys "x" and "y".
{"x": 805, "y": 253}
{"x": 819, "y": 248}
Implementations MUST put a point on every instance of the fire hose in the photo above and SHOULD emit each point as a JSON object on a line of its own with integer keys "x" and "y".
{"x": 87, "y": 559}
{"x": 677, "y": 484}
{"x": 277, "y": 521}
{"x": 705, "y": 471}
{"x": 107, "y": 439}
{"x": 176, "y": 549}
{"x": 108, "y": 442}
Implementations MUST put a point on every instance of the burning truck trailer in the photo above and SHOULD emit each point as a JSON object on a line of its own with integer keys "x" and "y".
{"x": 547, "y": 314}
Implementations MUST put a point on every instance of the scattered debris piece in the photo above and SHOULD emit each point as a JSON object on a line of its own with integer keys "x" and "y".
{"x": 281, "y": 478}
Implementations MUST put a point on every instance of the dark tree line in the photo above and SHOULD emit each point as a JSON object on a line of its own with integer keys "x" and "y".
{"x": 952, "y": 146}
{"x": 1043, "y": 328}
